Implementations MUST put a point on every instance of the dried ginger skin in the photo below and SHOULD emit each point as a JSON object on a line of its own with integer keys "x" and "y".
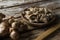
{"x": 14, "y": 35}
{"x": 16, "y": 28}
{"x": 4, "y": 29}
{"x": 1, "y": 17}
{"x": 19, "y": 26}
{"x": 4, "y": 26}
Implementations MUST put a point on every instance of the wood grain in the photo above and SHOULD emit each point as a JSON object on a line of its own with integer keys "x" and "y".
{"x": 48, "y": 32}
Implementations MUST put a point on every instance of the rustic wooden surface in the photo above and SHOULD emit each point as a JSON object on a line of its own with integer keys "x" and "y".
{"x": 30, "y": 35}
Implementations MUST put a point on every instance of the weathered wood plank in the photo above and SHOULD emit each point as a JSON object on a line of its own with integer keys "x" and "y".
{"x": 13, "y": 10}
{"x": 8, "y": 4}
{"x": 48, "y": 32}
